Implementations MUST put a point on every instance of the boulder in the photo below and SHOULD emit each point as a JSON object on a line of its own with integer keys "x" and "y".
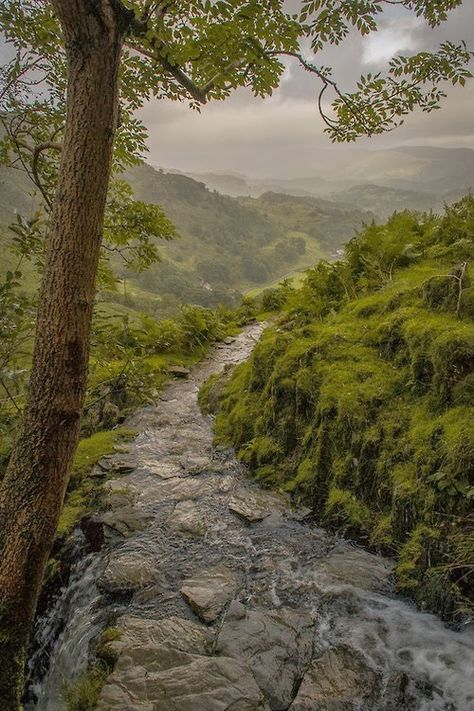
{"x": 176, "y": 632}
{"x": 126, "y": 573}
{"x": 209, "y": 592}
{"x": 276, "y": 645}
{"x": 352, "y": 566}
{"x": 339, "y": 680}
{"x": 123, "y": 522}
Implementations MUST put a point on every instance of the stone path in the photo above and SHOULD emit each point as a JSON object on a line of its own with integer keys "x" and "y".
{"x": 226, "y": 600}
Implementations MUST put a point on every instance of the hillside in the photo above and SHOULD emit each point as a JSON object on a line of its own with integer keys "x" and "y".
{"x": 230, "y": 245}
{"x": 385, "y": 200}
{"x": 360, "y": 400}
{"x": 227, "y": 245}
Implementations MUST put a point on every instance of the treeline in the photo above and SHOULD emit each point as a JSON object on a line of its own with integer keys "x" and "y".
{"x": 360, "y": 399}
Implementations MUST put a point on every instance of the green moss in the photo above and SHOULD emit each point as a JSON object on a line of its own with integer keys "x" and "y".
{"x": 82, "y": 491}
{"x": 347, "y": 513}
{"x": 382, "y": 537}
{"x": 303, "y": 479}
{"x": 360, "y": 400}
{"x": 209, "y": 393}
{"x": 414, "y": 558}
{"x": 260, "y": 451}
{"x": 92, "y": 449}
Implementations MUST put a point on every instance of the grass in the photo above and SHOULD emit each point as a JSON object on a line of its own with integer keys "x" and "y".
{"x": 359, "y": 402}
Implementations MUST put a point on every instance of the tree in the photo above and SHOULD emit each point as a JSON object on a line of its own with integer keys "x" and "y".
{"x": 72, "y": 60}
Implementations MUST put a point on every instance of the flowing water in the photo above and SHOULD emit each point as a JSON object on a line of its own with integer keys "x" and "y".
{"x": 185, "y": 508}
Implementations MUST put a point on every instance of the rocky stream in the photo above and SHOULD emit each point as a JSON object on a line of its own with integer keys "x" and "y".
{"x": 229, "y": 599}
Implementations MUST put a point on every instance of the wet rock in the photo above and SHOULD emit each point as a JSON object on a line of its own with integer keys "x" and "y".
{"x": 300, "y": 514}
{"x": 250, "y": 506}
{"x": 93, "y": 529}
{"x": 276, "y": 645}
{"x": 149, "y": 677}
{"x": 120, "y": 488}
{"x": 355, "y": 567}
{"x": 97, "y": 472}
{"x": 187, "y": 518}
{"x": 177, "y": 371}
{"x": 186, "y": 488}
{"x": 340, "y": 680}
{"x": 123, "y": 522}
{"x": 127, "y": 572}
{"x": 162, "y": 469}
{"x": 117, "y": 466}
{"x": 176, "y": 632}
{"x": 209, "y": 592}
{"x": 196, "y": 465}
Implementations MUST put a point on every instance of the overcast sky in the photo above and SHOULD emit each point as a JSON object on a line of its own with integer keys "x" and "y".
{"x": 283, "y": 136}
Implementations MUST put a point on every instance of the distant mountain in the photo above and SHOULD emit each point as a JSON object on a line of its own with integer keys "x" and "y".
{"x": 225, "y": 183}
{"x": 419, "y": 178}
{"x": 385, "y": 200}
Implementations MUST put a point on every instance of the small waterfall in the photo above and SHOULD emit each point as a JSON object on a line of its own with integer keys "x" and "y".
{"x": 63, "y": 636}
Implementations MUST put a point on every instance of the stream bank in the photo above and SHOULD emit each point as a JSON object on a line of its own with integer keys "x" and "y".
{"x": 224, "y": 597}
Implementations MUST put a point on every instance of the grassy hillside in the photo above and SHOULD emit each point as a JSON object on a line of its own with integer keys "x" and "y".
{"x": 360, "y": 400}
{"x": 233, "y": 245}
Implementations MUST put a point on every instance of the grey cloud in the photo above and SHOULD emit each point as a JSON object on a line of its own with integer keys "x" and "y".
{"x": 284, "y": 135}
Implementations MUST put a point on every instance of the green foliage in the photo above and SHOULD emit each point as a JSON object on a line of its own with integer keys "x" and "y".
{"x": 343, "y": 510}
{"x": 83, "y": 693}
{"x": 199, "y": 51}
{"x": 359, "y": 401}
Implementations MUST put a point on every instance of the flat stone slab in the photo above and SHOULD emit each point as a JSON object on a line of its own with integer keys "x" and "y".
{"x": 354, "y": 567}
{"x": 124, "y": 522}
{"x": 187, "y": 518}
{"x": 250, "y": 506}
{"x": 126, "y": 573}
{"x": 276, "y": 645}
{"x": 209, "y": 592}
{"x": 340, "y": 680}
{"x": 181, "y": 489}
{"x": 161, "y": 469}
{"x": 157, "y": 677}
{"x": 176, "y": 632}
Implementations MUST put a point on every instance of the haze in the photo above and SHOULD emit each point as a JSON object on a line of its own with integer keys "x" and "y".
{"x": 283, "y": 136}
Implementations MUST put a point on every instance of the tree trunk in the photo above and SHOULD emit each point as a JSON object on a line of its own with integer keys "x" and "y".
{"x": 38, "y": 473}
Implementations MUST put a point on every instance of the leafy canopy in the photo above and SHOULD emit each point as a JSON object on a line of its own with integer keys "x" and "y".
{"x": 200, "y": 50}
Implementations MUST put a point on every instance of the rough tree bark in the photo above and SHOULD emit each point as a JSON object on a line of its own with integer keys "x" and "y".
{"x": 37, "y": 477}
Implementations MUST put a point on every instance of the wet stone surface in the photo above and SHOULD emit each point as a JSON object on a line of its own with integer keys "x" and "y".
{"x": 226, "y": 598}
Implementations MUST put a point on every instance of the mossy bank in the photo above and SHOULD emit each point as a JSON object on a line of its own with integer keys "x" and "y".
{"x": 360, "y": 400}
